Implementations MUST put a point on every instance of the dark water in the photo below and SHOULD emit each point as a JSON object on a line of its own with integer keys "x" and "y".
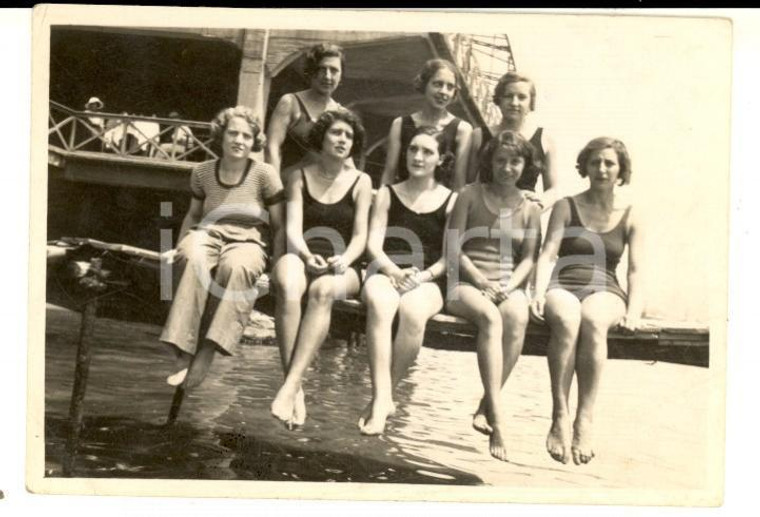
{"x": 225, "y": 431}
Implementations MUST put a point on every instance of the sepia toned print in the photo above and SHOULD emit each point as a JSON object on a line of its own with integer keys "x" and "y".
{"x": 240, "y": 286}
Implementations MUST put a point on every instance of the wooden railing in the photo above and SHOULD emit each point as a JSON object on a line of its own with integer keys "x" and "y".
{"x": 129, "y": 135}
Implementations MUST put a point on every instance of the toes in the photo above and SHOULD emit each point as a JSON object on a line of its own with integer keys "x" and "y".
{"x": 576, "y": 456}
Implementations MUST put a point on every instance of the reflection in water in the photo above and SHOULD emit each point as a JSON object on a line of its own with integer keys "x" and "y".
{"x": 225, "y": 431}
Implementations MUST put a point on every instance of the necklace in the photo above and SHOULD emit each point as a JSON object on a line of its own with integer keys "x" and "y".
{"x": 322, "y": 173}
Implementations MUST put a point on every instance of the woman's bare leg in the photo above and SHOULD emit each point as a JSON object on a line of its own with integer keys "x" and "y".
{"x": 322, "y": 292}
{"x": 468, "y": 302}
{"x": 514, "y": 316}
{"x": 382, "y": 301}
{"x": 599, "y": 312}
{"x": 289, "y": 283}
{"x": 563, "y": 315}
{"x": 415, "y": 308}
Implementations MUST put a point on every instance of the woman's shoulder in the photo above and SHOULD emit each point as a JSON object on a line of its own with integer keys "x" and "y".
{"x": 204, "y": 168}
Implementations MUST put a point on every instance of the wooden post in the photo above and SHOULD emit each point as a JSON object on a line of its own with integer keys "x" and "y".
{"x": 179, "y": 396}
{"x": 76, "y": 409}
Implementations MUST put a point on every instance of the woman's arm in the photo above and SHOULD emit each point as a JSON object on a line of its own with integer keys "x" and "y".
{"x": 392, "y": 153}
{"x": 549, "y": 175}
{"x": 558, "y": 220}
{"x": 456, "y": 237}
{"x": 464, "y": 132}
{"x": 530, "y": 245}
{"x": 635, "y": 280}
{"x": 294, "y": 240}
{"x": 277, "y": 130}
{"x": 476, "y": 141}
{"x": 193, "y": 217}
{"x": 363, "y": 200}
{"x": 378, "y": 224}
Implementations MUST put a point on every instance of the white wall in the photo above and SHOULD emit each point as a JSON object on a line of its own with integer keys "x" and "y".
{"x": 662, "y": 85}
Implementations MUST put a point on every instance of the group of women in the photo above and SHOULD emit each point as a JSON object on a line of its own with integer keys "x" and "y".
{"x": 454, "y": 226}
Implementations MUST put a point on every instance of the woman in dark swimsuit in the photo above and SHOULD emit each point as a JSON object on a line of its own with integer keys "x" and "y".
{"x": 406, "y": 246}
{"x": 580, "y": 297}
{"x": 500, "y": 236}
{"x": 287, "y": 147}
{"x": 439, "y": 82}
{"x": 327, "y": 217}
{"x": 515, "y": 96}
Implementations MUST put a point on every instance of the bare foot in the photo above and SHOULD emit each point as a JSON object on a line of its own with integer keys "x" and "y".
{"x": 379, "y": 412}
{"x": 366, "y": 413}
{"x": 497, "y": 444}
{"x": 176, "y": 379}
{"x": 200, "y": 365}
{"x": 299, "y": 408}
{"x": 582, "y": 450}
{"x": 558, "y": 440}
{"x": 480, "y": 420}
{"x": 283, "y": 406}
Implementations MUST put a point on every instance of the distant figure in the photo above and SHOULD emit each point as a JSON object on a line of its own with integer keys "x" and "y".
{"x": 328, "y": 210}
{"x": 235, "y": 213}
{"x": 180, "y": 141}
{"x": 515, "y": 96}
{"x": 288, "y": 129}
{"x": 94, "y": 105}
{"x": 498, "y": 231}
{"x": 580, "y": 298}
{"x": 406, "y": 241}
{"x": 439, "y": 82}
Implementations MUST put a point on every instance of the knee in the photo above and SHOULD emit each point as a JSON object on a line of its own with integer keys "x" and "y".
{"x": 594, "y": 328}
{"x": 288, "y": 282}
{"x": 563, "y": 322}
{"x": 321, "y": 291}
{"x": 488, "y": 320}
{"x": 411, "y": 321}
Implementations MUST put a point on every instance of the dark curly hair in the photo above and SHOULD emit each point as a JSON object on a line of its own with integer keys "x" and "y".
{"x": 326, "y": 120}
{"x": 513, "y": 141}
{"x": 514, "y": 77}
{"x": 605, "y": 142}
{"x": 222, "y": 119}
{"x": 429, "y": 69}
{"x": 445, "y": 170}
{"x": 317, "y": 53}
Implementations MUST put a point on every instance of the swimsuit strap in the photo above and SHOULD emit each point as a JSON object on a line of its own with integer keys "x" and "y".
{"x": 302, "y": 106}
{"x": 575, "y": 219}
{"x": 350, "y": 191}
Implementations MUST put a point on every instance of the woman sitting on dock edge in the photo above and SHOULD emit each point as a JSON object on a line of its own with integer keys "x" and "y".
{"x": 406, "y": 245}
{"x": 224, "y": 245}
{"x": 328, "y": 209}
{"x": 498, "y": 230}
{"x": 580, "y": 297}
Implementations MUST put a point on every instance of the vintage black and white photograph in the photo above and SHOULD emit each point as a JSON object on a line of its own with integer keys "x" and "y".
{"x": 379, "y": 255}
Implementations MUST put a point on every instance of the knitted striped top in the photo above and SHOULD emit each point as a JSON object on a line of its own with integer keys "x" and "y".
{"x": 238, "y": 211}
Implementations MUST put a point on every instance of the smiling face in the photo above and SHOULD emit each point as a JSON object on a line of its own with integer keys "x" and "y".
{"x": 603, "y": 167}
{"x": 507, "y": 166}
{"x": 238, "y": 139}
{"x": 515, "y": 103}
{"x": 327, "y": 76}
{"x": 422, "y": 156}
{"x": 441, "y": 88}
{"x": 338, "y": 140}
